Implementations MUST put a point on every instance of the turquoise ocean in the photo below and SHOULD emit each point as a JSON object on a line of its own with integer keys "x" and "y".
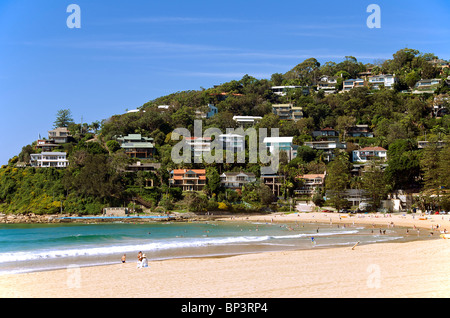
{"x": 37, "y": 247}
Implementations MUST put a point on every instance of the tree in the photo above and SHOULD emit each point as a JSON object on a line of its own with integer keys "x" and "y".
{"x": 337, "y": 181}
{"x": 95, "y": 125}
{"x": 432, "y": 177}
{"x": 112, "y": 146}
{"x": 63, "y": 118}
{"x": 196, "y": 202}
{"x": 344, "y": 123}
{"x": 276, "y": 79}
{"x": 213, "y": 184}
{"x": 306, "y": 72}
{"x": 374, "y": 184}
{"x": 403, "y": 167}
{"x": 265, "y": 194}
{"x": 306, "y": 154}
{"x": 444, "y": 168}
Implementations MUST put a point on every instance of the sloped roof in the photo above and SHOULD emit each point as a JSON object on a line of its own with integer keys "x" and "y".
{"x": 372, "y": 149}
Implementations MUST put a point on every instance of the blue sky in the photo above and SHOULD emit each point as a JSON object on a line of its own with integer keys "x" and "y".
{"x": 129, "y": 52}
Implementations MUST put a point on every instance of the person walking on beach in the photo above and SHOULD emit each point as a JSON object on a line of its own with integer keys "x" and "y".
{"x": 124, "y": 258}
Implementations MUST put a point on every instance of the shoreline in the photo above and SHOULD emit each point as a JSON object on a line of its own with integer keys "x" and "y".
{"x": 409, "y": 269}
{"x": 402, "y": 269}
{"x": 428, "y": 222}
{"x": 414, "y": 220}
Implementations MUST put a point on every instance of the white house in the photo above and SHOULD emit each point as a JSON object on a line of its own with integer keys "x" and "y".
{"x": 235, "y": 180}
{"x": 283, "y": 143}
{"x": 49, "y": 159}
{"x": 246, "y": 120}
{"x": 232, "y": 142}
{"x": 388, "y": 80}
{"x": 369, "y": 153}
{"x": 198, "y": 145}
{"x": 327, "y": 84}
{"x": 282, "y": 90}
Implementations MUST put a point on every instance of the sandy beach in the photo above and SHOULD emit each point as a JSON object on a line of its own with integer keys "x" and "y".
{"x": 412, "y": 269}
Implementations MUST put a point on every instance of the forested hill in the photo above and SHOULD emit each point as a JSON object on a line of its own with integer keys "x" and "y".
{"x": 95, "y": 178}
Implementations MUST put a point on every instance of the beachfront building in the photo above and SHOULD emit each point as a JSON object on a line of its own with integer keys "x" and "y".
{"x": 386, "y": 80}
{"x": 246, "y": 121}
{"x": 236, "y": 180}
{"x": 369, "y": 153}
{"x": 287, "y": 111}
{"x": 59, "y": 135}
{"x": 188, "y": 179}
{"x": 233, "y": 142}
{"x": 137, "y": 146}
{"x": 283, "y": 144}
{"x": 312, "y": 183}
{"x": 49, "y": 159}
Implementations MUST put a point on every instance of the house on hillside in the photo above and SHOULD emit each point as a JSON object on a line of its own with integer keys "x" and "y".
{"x": 198, "y": 145}
{"x": 137, "y": 146}
{"x": 59, "y": 135}
{"x": 246, "y": 121}
{"x": 360, "y": 131}
{"x": 369, "y": 153}
{"x": 327, "y": 84}
{"x": 426, "y": 85}
{"x": 283, "y": 144}
{"x": 283, "y": 90}
{"x": 287, "y": 111}
{"x": 387, "y": 80}
{"x": 188, "y": 179}
{"x": 327, "y": 146}
{"x": 46, "y": 145}
{"x": 49, "y": 159}
{"x": 206, "y": 112}
{"x": 312, "y": 183}
{"x": 274, "y": 182}
{"x": 326, "y": 134}
{"x": 424, "y": 143}
{"x": 236, "y": 180}
{"x": 232, "y": 142}
{"x": 352, "y": 83}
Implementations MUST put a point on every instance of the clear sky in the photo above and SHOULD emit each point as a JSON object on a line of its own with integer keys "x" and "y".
{"x": 129, "y": 52}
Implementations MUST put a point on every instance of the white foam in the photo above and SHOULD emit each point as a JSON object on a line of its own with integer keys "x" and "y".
{"x": 153, "y": 245}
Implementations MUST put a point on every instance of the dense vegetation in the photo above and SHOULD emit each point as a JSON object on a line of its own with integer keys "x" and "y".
{"x": 96, "y": 177}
